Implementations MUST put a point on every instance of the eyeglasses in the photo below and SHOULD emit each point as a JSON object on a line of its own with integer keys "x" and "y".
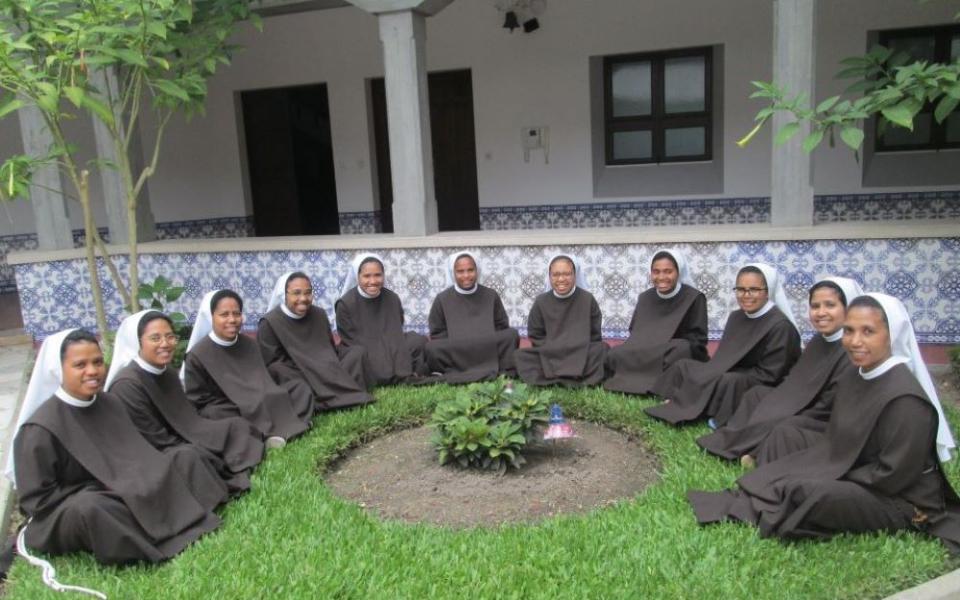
{"x": 157, "y": 338}
{"x": 301, "y": 293}
{"x": 742, "y": 291}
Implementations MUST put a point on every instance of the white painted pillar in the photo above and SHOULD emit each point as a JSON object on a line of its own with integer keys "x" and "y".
{"x": 403, "y": 35}
{"x": 791, "y": 193}
{"x": 114, "y": 194}
{"x": 46, "y": 194}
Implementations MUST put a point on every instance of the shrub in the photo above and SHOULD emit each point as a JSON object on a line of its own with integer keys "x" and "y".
{"x": 486, "y": 425}
{"x": 955, "y": 361}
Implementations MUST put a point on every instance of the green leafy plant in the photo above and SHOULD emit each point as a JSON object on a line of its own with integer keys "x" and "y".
{"x": 487, "y": 425}
{"x": 160, "y": 293}
{"x": 955, "y": 361}
{"x": 893, "y": 88}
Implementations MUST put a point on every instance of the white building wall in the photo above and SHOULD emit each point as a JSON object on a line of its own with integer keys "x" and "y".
{"x": 518, "y": 80}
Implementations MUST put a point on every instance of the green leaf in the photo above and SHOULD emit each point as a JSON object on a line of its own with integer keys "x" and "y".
{"x": 9, "y": 105}
{"x": 786, "y": 132}
{"x": 74, "y": 94}
{"x": 145, "y": 293}
{"x": 813, "y": 140}
{"x": 100, "y": 109}
{"x": 169, "y": 88}
{"x": 827, "y": 104}
{"x": 946, "y": 106}
{"x": 130, "y": 57}
{"x": 901, "y": 114}
{"x": 852, "y": 136}
{"x": 157, "y": 28}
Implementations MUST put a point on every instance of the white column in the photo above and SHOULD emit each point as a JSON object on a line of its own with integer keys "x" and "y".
{"x": 791, "y": 194}
{"x": 46, "y": 193}
{"x": 408, "y": 115}
{"x": 114, "y": 192}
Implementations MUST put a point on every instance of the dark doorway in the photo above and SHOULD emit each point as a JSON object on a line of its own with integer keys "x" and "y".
{"x": 454, "y": 150}
{"x": 290, "y": 161}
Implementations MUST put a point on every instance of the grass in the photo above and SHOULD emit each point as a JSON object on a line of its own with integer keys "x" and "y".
{"x": 291, "y": 538}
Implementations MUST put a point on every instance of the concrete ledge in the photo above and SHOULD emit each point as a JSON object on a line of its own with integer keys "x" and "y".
{"x": 945, "y": 587}
{"x": 939, "y": 228}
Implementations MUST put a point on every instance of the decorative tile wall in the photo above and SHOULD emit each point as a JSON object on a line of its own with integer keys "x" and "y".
{"x": 887, "y": 207}
{"x": 719, "y": 211}
{"x": 222, "y": 227}
{"x": 651, "y": 213}
{"x": 352, "y": 223}
{"x": 925, "y": 273}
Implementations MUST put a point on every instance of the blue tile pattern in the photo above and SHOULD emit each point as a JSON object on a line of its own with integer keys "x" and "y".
{"x": 222, "y": 227}
{"x": 925, "y": 273}
{"x": 887, "y": 206}
{"x": 650, "y": 213}
{"x": 352, "y": 223}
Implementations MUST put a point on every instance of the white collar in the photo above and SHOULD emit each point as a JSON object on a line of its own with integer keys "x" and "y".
{"x": 290, "y": 313}
{"x": 72, "y": 401}
{"x": 836, "y": 336}
{"x": 148, "y": 367}
{"x": 476, "y": 286}
{"x": 766, "y": 308}
{"x": 671, "y": 294}
{"x": 222, "y": 342}
{"x": 363, "y": 294}
{"x": 567, "y": 295}
{"x": 883, "y": 367}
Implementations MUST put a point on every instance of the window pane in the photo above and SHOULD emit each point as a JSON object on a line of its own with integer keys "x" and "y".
{"x": 901, "y": 136}
{"x": 920, "y": 47}
{"x": 953, "y": 128}
{"x": 631, "y": 89}
{"x": 629, "y": 145}
{"x": 686, "y": 141}
{"x": 683, "y": 86}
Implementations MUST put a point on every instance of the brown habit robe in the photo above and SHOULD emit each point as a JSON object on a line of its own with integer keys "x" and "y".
{"x": 802, "y": 402}
{"x": 568, "y": 347}
{"x": 470, "y": 336}
{"x": 662, "y": 331}
{"x": 231, "y": 381}
{"x": 876, "y": 469}
{"x": 302, "y": 358}
{"x": 91, "y": 482}
{"x": 376, "y": 325}
{"x": 159, "y": 408}
{"x": 752, "y": 352}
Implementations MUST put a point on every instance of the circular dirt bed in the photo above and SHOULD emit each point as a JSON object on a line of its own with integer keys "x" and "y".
{"x": 397, "y": 477}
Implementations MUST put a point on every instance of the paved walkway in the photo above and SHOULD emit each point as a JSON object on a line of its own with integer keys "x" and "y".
{"x": 16, "y": 358}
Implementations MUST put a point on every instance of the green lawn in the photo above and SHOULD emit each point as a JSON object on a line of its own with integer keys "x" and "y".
{"x": 291, "y": 538}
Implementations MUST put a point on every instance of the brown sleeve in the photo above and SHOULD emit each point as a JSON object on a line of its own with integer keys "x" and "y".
{"x": 39, "y": 457}
{"x": 437, "y": 320}
{"x": 536, "y": 329}
{"x": 501, "y": 320}
{"x": 596, "y": 321}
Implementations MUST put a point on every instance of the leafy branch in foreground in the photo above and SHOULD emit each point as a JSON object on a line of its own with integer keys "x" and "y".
{"x": 893, "y": 88}
{"x": 112, "y": 61}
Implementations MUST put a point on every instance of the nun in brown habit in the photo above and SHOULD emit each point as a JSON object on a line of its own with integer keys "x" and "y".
{"x": 669, "y": 323}
{"x": 298, "y": 349}
{"x": 470, "y": 334}
{"x": 772, "y": 422}
{"x": 224, "y": 375}
{"x": 370, "y": 316}
{"x": 878, "y": 467}
{"x": 85, "y": 477}
{"x": 760, "y": 344}
{"x": 153, "y": 395}
{"x": 564, "y": 327}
